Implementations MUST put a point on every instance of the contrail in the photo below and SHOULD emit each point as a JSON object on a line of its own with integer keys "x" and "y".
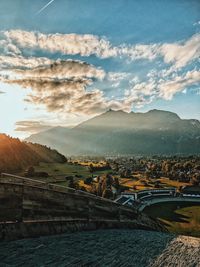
{"x": 45, "y": 7}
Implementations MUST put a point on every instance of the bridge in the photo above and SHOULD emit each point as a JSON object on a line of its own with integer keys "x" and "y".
{"x": 31, "y": 208}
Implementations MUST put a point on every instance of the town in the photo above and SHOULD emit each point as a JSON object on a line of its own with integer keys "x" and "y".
{"x": 112, "y": 176}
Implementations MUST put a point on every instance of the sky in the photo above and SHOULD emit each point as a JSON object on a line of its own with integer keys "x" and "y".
{"x": 65, "y": 61}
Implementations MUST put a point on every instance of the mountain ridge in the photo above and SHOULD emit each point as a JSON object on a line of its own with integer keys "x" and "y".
{"x": 118, "y": 132}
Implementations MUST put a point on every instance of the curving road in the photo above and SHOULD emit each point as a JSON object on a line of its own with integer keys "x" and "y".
{"x": 167, "y": 199}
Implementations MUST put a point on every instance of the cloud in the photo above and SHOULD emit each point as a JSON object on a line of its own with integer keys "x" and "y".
{"x": 20, "y": 62}
{"x": 177, "y": 53}
{"x": 69, "y": 96}
{"x": 59, "y": 85}
{"x": 66, "y": 44}
{"x": 31, "y": 126}
{"x": 69, "y": 86}
{"x": 77, "y": 44}
{"x": 7, "y": 47}
{"x": 54, "y": 94}
{"x": 117, "y": 77}
{"x": 167, "y": 89}
{"x": 164, "y": 88}
{"x": 64, "y": 69}
{"x": 94, "y": 103}
{"x": 196, "y": 23}
{"x": 182, "y": 53}
{"x": 65, "y": 91}
{"x": 62, "y": 86}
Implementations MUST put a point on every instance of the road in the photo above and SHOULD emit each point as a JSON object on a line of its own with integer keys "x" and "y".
{"x": 167, "y": 199}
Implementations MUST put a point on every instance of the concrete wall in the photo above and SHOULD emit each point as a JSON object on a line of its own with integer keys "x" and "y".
{"x": 22, "y": 203}
{"x": 29, "y": 210}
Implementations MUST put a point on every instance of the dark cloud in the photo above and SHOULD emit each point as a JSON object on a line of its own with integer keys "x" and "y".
{"x": 69, "y": 96}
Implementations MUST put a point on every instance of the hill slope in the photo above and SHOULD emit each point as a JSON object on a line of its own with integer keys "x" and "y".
{"x": 118, "y": 132}
{"x": 16, "y": 155}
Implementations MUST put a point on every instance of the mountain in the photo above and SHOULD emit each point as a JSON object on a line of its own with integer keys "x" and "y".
{"x": 16, "y": 155}
{"x": 50, "y": 137}
{"x": 118, "y": 132}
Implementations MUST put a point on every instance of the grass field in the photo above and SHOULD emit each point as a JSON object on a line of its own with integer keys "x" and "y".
{"x": 179, "y": 217}
{"x": 58, "y": 171}
{"x": 139, "y": 182}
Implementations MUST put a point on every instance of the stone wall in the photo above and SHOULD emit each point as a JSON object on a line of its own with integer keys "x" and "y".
{"x": 20, "y": 230}
{"x": 32, "y": 210}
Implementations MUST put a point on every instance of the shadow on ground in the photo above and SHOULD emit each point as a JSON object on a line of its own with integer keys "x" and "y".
{"x": 167, "y": 211}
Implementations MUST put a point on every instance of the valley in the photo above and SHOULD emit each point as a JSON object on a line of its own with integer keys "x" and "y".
{"x": 130, "y": 175}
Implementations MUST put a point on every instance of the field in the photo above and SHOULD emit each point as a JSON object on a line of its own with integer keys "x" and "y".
{"x": 79, "y": 170}
{"x": 63, "y": 169}
{"x": 58, "y": 171}
{"x": 139, "y": 182}
{"x": 179, "y": 217}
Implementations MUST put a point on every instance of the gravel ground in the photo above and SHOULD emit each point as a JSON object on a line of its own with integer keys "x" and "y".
{"x": 103, "y": 248}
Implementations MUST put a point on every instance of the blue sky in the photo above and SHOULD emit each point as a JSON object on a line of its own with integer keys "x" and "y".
{"x": 76, "y": 59}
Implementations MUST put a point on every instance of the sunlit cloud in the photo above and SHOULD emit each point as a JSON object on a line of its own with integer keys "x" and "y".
{"x": 64, "y": 69}
{"x": 74, "y": 86}
{"x": 31, "y": 126}
{"x": 165, "y": 88}
{"x": 20, "y": 62}
{"x": 182, "y": 53}
{"x": 177, "y": 53}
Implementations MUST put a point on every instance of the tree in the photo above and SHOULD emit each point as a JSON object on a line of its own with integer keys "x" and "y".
{"x": 88, "y": 181}
{"x": 73, "y": 184}
{"x": 108, "y": 193}
{"x": 91, "y": 168}
{"x": 116, "y": 183}
{"x": 31, "y": 171}
{"x": 99, "y": 188}
{"x": 109, "y": 180}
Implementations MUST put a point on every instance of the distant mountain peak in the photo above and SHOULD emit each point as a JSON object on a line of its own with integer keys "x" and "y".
{"x": 119, "y": 132}
{"x": 115, "y": 111}
{"x": 163, "y": 113}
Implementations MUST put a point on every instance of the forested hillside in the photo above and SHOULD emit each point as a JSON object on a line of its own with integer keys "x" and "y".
{"x": 16, "y": 155}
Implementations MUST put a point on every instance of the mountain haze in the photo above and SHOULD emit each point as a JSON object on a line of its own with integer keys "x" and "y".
{"x": 118, "y": 132}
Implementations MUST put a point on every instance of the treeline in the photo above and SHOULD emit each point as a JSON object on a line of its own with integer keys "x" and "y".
{"x": 16, "y": 155}
{"x": 94, "y": 168}
{"x": 105, "y": 186}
